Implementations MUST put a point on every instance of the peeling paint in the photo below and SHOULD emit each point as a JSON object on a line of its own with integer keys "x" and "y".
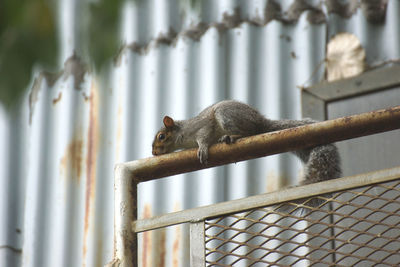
{"x": 50, "y": 79}
{"x": 74, "y": 66}
{"x": 343, "y": 9}
{"x": 230, "y": 21}
{"x": 85, "y": 97}
{"x": 135, "y": 47}
{"x": 13, "y": 249}
{"x": 375, "y": 12}
{"x": 197, "y": 31}
{"x": 57, "y": 99}
{"x": 273, "y": 11}
{"x": 168, "y": 38}
{"x": 34, "y": 96}
{"x": 315, "y": 15}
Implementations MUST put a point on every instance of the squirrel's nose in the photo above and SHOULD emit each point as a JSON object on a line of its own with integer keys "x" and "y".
{"x": 154, "y": 151}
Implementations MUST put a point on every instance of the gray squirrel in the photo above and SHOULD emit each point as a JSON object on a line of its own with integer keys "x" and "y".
{"x": 228, "y": 120}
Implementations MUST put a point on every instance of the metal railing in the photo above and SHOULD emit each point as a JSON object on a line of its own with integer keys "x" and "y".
{"x": 358, "y": 225}
{"x": 210, "y": 226}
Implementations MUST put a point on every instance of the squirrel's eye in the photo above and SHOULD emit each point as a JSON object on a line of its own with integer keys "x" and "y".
{"x": 161, "y": 136}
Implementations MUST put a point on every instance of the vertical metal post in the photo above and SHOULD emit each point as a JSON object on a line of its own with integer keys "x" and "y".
{"x": 133, "y": 243}
{"x": 125, "y": 205}
{"x": 197, "y": 244}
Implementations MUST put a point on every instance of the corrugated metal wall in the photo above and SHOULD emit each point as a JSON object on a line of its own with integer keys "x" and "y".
{"x": 60, "y": 145}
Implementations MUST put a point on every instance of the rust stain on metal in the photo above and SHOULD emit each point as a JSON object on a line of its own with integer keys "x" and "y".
{"x": 272, "y": 181}
{"x": 72, "y": 159}
{"x": 58, "y": 98}
{"x": 99, "y": 247}
{"x": 269, "y": 143}
{"x": 392, "y": 110}
{"x": 347, "y": 120}
{"x": 91, "y": 162}
{"x": 177, "y": 240}
{"x": 354, "y": 220}
{"x": 146, "y": 239}
{"x": 160, "y": 247}
{"x": 176, "y": 246}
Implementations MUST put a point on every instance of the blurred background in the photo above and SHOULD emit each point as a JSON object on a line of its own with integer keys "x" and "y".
{"x": 85, "y": 84}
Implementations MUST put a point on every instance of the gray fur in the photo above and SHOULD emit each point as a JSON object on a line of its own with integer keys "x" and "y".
{"x": 228, "y": 120}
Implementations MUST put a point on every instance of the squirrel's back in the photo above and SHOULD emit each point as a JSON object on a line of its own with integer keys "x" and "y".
{"x": 240, "y": 119}
{"x": 321, "y": 162}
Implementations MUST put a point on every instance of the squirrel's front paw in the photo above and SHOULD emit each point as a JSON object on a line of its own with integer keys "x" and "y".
{"x": 225, "y": 139}
{"x": 202, "y": 154}
{"x": 228, "y": 139}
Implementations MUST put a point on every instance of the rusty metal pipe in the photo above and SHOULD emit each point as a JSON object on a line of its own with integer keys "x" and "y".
{"x": 125, "y": 211}
{"x": 129, "y": 174}
{"x": 267, "y": 144}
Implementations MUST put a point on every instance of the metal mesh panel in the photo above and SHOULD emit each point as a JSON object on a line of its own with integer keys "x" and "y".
{"x": 355, "y": 227}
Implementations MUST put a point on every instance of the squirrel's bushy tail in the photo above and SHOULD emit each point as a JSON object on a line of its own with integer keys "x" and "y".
{"x": 321, "y": 163}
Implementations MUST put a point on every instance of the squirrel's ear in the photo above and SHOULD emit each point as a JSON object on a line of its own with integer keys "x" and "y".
{"x": 168, "y": 122}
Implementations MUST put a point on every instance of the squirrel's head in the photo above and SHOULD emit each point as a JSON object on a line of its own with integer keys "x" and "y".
{"x": 164, "y": 141}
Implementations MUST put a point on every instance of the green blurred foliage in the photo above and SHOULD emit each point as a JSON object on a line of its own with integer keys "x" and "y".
{"x": 27, "y": 37}
{"x": 104, "y": 25}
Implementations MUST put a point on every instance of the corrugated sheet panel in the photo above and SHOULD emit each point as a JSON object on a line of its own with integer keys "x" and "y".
{"x": 177, "y": 60}
{"x": 13, "y": 171}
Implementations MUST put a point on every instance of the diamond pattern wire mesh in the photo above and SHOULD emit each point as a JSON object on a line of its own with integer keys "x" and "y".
{"x": 355, "y": 227}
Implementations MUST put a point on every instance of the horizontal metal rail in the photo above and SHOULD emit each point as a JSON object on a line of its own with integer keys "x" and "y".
{"x": 266, "y": 144}
{"x": 129, "y": 174}
{"x": 262, "y": 200}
